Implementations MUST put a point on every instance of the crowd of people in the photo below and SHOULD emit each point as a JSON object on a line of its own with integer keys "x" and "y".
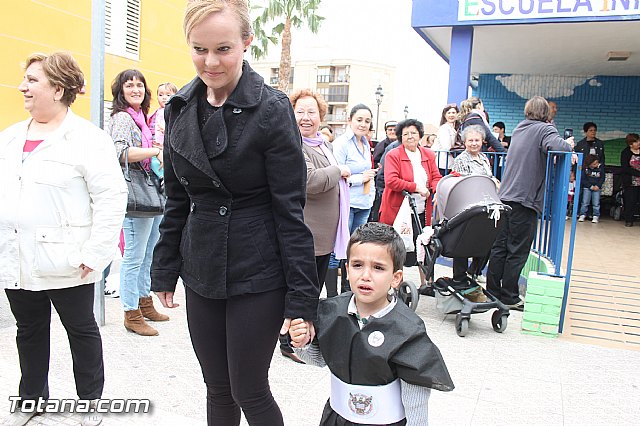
{"x": 263, "y": 206}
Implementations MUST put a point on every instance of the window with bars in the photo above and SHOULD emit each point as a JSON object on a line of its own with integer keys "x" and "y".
{"x": 122, "y": 28}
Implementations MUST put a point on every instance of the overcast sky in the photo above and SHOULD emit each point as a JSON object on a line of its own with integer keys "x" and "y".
{"x": 379, "y": 31}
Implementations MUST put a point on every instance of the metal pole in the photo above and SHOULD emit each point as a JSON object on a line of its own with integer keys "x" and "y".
{"x": 377, "y": 119}
{"x": 97, "y": 113}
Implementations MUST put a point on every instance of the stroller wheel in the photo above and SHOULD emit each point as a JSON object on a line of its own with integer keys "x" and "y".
{"x": 499, "y": 321}
{"x": 462, "y": 325}
{"x": 408, "y": 293}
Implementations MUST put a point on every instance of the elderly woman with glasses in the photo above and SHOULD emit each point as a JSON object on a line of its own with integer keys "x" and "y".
{"x": 409, "y": 167}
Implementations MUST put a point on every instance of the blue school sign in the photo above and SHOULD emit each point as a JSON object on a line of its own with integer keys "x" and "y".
{"x": 476, "y": 10}
{"x": 463, "y": 16}
{"x": 450, "y": 13}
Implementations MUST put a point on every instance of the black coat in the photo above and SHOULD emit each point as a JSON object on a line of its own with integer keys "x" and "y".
{"x": 585, "y": 148}
{"x": 626, "y": 170}
{"x": 233, "y": 220}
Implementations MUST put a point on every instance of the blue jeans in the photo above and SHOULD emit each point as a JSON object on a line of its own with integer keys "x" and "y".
{"x": 140, "y": 237}
{"x": 590, "y": 197}
{"x": 357, "y": 217}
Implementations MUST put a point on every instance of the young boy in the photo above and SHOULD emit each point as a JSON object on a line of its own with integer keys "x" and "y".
{"x": 570, "y": 196}
{"x": 156, "y": 120}
{"x": 383, "y": 365}
{"x": 156, "y": 123}
{"x": 592, "y": 180}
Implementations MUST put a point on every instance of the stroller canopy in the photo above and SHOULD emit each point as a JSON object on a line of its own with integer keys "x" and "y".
{"x": 455, "y": 194}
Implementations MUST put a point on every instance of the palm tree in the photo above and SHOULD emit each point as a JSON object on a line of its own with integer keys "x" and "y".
{"x": 294, "y": 13}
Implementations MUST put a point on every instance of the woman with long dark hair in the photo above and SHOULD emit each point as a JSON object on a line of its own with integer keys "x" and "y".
{"x": 446, "y": 137}
{"x": 132, "y": 137}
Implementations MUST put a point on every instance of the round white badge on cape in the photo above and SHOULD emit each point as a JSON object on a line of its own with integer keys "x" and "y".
{"x": 376, "y": 339}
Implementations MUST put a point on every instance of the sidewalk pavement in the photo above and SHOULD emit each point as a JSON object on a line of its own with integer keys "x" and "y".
{"x": 501, "y": 379}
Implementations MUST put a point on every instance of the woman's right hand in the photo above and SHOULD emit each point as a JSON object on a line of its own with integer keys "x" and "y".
{"x": 422, "y": 190}
{"x": 160, "y": 159}
{"x": 367, "y": 175}
{"x": 166, "y": 298}
{"x": 345, "y": 171}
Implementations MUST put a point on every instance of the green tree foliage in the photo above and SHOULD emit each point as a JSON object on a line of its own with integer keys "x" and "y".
{"x": 282, "y": 15}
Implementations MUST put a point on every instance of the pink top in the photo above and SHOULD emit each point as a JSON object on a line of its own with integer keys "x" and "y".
{"x": 29, "y": 146}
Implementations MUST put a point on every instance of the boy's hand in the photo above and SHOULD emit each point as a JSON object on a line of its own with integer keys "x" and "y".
{"x": 595, "y": 188}
{"x": 301, "y": 332}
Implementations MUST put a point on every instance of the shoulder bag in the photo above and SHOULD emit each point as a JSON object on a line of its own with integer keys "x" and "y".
{"x": 146, "y": 192}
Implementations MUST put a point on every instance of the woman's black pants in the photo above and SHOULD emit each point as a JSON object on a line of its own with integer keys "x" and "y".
{"x": 631, "y": 196}
{"x": 234, "y": 340}
{"x": 32, "y": 310}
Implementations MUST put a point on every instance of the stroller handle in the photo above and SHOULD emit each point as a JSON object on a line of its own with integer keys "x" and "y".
{"x": 412, "y": 202}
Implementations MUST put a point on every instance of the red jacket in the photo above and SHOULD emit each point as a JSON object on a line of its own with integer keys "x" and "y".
{"x": 398, "y": 176}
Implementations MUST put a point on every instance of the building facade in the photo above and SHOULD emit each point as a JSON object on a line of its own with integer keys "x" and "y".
{"x": 142, "y": 34}
{"x": 343, "y": 84}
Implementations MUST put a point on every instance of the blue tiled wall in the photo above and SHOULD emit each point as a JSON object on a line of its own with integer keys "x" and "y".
{"x": 613, "y": 103}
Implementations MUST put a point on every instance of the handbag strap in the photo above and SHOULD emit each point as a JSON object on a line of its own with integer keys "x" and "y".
{"x": 126, "y": 173}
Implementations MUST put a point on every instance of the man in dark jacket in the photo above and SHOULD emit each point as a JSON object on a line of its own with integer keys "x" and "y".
{"x": 390, "y": 130}
{"x": 522, "y": 188}
{"x": 378, "y": 152}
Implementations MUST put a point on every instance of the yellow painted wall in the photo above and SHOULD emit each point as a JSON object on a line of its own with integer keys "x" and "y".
{"x": 28, "y": 26}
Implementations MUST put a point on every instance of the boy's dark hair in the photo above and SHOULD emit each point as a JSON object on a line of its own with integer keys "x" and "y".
{"x": 382, "y": 235}
{"x": 588, "y": 125}
{"x": 589, "y": 159}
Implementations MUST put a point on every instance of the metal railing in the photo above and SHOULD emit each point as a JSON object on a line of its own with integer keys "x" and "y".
{"x": 445, "y": 159}
{"x": 550, "y": 237}
{"x": 551, "y": 228}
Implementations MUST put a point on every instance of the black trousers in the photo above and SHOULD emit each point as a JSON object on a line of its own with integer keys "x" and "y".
{"x": 461, "y": 267}
{"x": 510, "y": 252}
{"x": 234, "y": 340}
{"x": 631, "y": 196}
{"x": 32, "y": 310}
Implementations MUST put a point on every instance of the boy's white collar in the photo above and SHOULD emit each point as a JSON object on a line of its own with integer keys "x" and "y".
{"x": 353, "y": 310}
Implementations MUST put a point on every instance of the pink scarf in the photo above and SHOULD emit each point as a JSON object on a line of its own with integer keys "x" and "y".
{"x": 147, "y": 138}
{"x": 342, "y": 233}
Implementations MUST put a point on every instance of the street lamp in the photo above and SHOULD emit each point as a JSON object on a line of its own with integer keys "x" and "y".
{"x": 406, "y": 111}
{"x": 379, "y": 96}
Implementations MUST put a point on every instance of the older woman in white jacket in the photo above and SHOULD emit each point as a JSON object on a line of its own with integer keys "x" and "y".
{"x": 62, "y": 201}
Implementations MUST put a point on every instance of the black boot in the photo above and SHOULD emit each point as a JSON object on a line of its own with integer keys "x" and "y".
{"x": 331, "y": 282}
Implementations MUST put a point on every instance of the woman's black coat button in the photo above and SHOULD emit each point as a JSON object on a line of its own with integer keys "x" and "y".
{"x": 223, "y": 211}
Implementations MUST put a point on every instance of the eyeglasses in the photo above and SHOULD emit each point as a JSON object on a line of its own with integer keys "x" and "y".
{"x": 310, "y": 114}
{"x": 404, "y": 135}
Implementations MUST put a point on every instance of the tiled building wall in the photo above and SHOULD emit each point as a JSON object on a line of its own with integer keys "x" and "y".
{"x": 613, "y": 103}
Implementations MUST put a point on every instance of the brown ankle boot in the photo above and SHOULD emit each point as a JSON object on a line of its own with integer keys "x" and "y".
{"x": 149, "y": 312}
{"x": 134, "y": 322}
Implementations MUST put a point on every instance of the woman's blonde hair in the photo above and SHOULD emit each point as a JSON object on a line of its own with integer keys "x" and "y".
{"x": 303, "y": 93}
{"x": 62, "y": 71}
{"x": 467, "y": 105}
{"x": 198, "y": 10}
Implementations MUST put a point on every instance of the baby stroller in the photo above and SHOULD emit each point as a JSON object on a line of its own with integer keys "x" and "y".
{"x": 466, "y": 225}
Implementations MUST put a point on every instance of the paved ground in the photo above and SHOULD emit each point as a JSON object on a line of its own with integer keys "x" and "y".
{"x": 501, "y": 379}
